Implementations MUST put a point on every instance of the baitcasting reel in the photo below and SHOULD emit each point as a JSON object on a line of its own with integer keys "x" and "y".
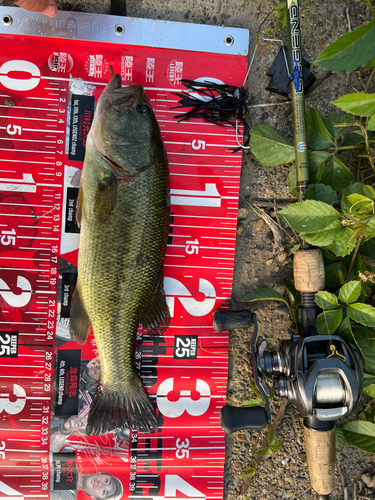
{"x": 321, "y": 375}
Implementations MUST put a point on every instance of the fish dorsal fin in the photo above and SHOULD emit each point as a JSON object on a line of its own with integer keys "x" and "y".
{"x": 105, "y": 196}
{"x": 156, "y": 319}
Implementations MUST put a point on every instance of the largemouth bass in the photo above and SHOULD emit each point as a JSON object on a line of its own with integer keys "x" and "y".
{"x": 123, "y": 211}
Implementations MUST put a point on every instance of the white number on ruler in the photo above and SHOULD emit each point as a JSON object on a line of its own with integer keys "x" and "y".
{"x": 8, "y": 237}
{"x": 19, "y": 83}
{"x": 14, "y": 129}
{"x": 182, "y": 349}
{"x": 174, "y": 289}
{"x": 198, "y": 144}
{"x": 11, "y": 298}
{"x": 24, "y": 185}
{"x": 210, "y": 197}
{"x": 174, "y": 483}
{"x": 13, "y": 407}
{"x": 174, "y": 409}
{"x": 182, "y": 449}
{"x": 192, "y": 246}
{"x": 5, "y": 347}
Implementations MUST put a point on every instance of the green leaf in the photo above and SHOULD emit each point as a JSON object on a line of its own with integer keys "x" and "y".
{"x": 249, "y": 403}
{"x": 248, "y": 473}
{"x": 277, "y": 446}
{"x": 350, "y": 50}
{"x": 317, "y": 160}
{"x": 344, "y": 331}
{"x": 361, "y": 205}
{"x": 367, "y": 380}
{"x": 369, "y": 416}
{"x": 340, "y": 438}
{"x": 269, "y": 31}
{"x": 362, "y": 313}
{"x": 328, "y": 321}
{"x": 321, "y": 192}
{"x": 360, "y": 434}
{"x": 309, "y": 216}
{"x": 323, "y": 238}
{"x": 281, "y": 13}
{"x": 326, "y": 300}
{"x": 335, "y": 274}
{"x": 264, "y": 452}
{"x": 358, "y": 104}
{"x": 370, "y": 390}
{"x": 350, "y": 292}
{"x": 342, "y": 244}
{"x": 336, "y": 124}
{"x": 291, "y": 291}
{"x": 268, "y": 147}
{"x": 328, "y": 257}
{"x": 263, "y": 294}
{"x": 365, "y": 339}
{"x": 368, "y": 248}
{"x": 371, "y": 63}
{"x": 356, "y": 188}
{"x": 318, "y": 136}
{"x": 272, "y": 437}
{"x": 371, "y": 123}
{"x": 337, "y": 175}
{"x": 353, "y": 139}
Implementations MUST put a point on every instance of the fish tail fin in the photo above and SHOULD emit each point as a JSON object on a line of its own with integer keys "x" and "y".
{"x": 80, "y": 324}
{"x": 157, "y": 318}
{"x": 121, "y": 407}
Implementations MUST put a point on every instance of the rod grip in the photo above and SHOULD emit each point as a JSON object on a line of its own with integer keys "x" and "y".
{"x": 320, "y": 456}
{"x": 235, "y": 418}
{"x": 308, "y": 270}
{"x": 225, "y": 320}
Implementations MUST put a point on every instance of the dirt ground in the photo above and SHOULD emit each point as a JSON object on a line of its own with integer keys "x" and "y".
{"x": 284, "y": 475}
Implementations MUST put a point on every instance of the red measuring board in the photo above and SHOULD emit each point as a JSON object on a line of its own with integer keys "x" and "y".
{"x": 51, "y": 75}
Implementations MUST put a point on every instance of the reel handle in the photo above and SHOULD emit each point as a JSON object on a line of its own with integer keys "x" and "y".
{"x": 235, "y": 418}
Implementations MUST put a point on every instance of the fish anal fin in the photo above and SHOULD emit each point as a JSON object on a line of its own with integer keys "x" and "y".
{"x": 80, "y": 324}
{"x": 105, "y": 196}
{"x": 156, "y": 319}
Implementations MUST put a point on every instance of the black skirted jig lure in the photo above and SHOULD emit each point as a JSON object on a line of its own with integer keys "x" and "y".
{"x": 224, "y": 105}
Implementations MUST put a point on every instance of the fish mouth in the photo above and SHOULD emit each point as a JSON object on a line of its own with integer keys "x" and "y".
{"x": 120, "y": 98}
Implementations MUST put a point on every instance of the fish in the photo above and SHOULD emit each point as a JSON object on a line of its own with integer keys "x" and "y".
{"x": 123, "y": 210}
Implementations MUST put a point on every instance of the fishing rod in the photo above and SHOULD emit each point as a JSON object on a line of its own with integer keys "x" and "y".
{"x": 320, "y": 374}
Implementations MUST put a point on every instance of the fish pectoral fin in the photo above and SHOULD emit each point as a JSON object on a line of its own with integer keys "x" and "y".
{"x": 79, "y": 209}
{"x": 156, "y": 319}
{"x": 80, "y": 324}
{"x": 105, "y": 196}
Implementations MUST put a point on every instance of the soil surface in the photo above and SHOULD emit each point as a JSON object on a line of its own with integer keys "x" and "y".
{"x": 258, "y": 263}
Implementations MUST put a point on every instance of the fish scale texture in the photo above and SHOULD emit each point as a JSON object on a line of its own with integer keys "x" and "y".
{"x": 119, "y": 270}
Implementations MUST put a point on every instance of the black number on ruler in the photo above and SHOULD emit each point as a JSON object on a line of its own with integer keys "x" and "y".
{"x": 9, "y": 344}
{"x": 147, "y": 456}
{"x": 170, "y": 238}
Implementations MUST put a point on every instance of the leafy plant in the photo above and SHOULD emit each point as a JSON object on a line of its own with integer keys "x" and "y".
{"x": 337, "y": 214}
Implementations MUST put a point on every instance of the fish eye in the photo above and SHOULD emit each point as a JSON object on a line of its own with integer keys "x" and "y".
{"x": 143, "y": 109}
